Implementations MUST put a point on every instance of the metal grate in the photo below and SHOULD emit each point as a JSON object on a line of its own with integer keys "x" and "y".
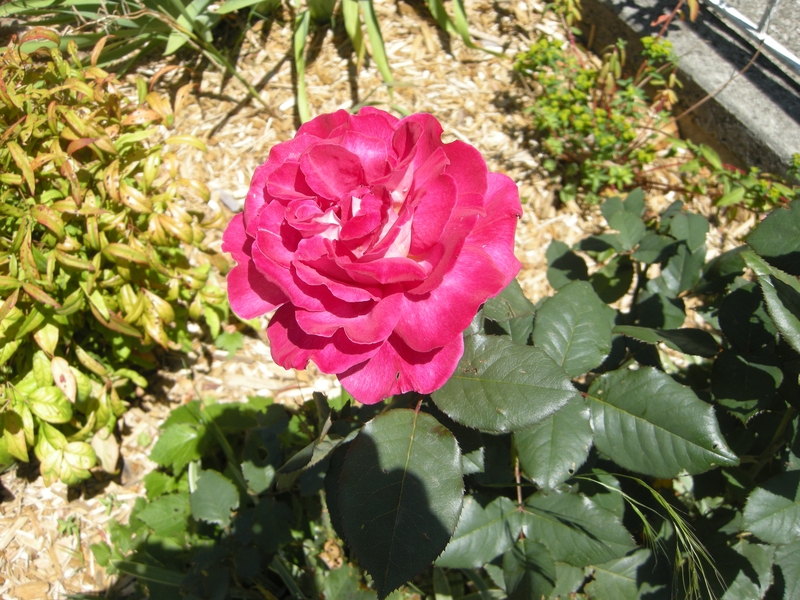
{"x": 758, "y": 32}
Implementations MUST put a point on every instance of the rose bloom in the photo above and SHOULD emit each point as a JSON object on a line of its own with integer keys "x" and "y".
{"x": 377, "y": 244}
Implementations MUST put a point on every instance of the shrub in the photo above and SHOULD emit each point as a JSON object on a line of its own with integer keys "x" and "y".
{"x": 102, "y": 265}
{"x": 578, "y": 449}
{"x": 603, "y": 132}
{"x": 598, "y": 128}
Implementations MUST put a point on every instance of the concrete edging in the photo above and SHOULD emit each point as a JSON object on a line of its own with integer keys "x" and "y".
{"x": 754, "y": 120}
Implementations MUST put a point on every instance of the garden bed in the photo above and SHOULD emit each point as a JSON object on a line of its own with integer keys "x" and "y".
{"x": 46, "y": 532}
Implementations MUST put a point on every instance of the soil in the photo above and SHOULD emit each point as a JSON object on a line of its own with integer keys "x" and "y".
{"x": 46, "y": 532}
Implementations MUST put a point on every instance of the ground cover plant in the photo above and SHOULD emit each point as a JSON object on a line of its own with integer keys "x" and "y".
{"x": 101, "y": 269}
{"x": 577, "y": 449}
{"x": 606, "y": 127}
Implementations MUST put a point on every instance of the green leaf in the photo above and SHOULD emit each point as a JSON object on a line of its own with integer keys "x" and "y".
{"x": 157, "y": 484}
{"x": 747, "y": 570}
{"x": 230, "y": 6}
{"x": 575, "y": 529}
{"x": 614, "y": 279}
{"x": 772, "y": 512}
{"x": 135, "y": 377}
{"x": 178, "y": 445}
{"x": 732, "y": 197}
{"x": 352, "y": 24}
{"x": 634, "y": 202}
{"x": 682, "y": 271}
{"x": 166, "y": 515}
{"x": 483, "y": 533}
{"x": 50, "y": 404}
{"x": 344, "y": 584}
{"x": 568, "y": 580}
{"x": 743, "y": 388}
{"x": 302, "y": 23}
{"x": 563, "y": 265}
{"x": 149, "y": 573}
{"x": 623, "y": 578}
{"x": 400, "y": 495}
{"x": 651, "y": 248}
{"x": 214, "y": 498}
{"x": 690, "y": 227}
{"x": 689, "y": 341}
{"x": 721, "y": 271}
{"x": 529, "y": 571}
{"x": 500, "y": 386}
{"x": 187, "y": 21}
{"x": 551, "y": 451}
{"x": 711, "y": 156}
{"x": 230, "y": 342}
{"x": 782, "y": 295}
{"x": 777, "y": 238}
{"x": 272, "y": 525}
{"x": 70, "y": 464}
{"x": 574, "y": 328}
{"x": 512, "y": 311}
{"x": 611, "y": 207}
{"x": 787, "y": 559}
{"x": 631, "y": 228}
{"x": 376, "y": 41}
{"x": 744, "y": 320}
{"x": 646, "y": 422}
{"x": 42, "y": 372}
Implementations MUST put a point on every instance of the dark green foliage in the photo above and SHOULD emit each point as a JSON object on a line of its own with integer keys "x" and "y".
{"x": 606, "y": 454}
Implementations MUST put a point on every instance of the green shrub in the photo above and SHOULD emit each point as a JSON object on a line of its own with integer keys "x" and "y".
{"x": 598, "y": 128}
{"x": 601, "y": 132}
{"x": 600, "y": 453}
{"x": 101, "y": 265}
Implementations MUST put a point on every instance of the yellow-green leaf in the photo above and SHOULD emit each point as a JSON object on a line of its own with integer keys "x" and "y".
{"x": 14, "y": 435}
{"x": 24, "y": 165}
{"x": 123, "y": 251}
{"x": 50, "y": 404}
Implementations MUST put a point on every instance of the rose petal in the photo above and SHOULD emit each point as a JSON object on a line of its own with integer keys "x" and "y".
{"x": 347, "y": 292}
{"x": 325, "y": 126}
{"x": 436, "y": 202}
{"x": 371, "y": 151}
{"x": 396, "y": 369}
{"x": 250, "y": 293}
{"x": 467, "y": 167}
{"x": 287, "y": 182}
{"x": 363, "y": 323}
{"x": 431, "y": 320}
{"x": 275, "y": 238}
{"x": 429, "y": 138}
{"x": 331, "y": 171}
{"x": 374, "y": 122}
{"x": 292, "y": 348}
{"x": 495, "y": 233}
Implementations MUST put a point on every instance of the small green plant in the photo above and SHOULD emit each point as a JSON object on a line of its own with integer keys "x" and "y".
{"x": 598, "y": 128}
{"x": 603, "y": 132}
{"x": 578, "y": 451}
{"x": 727, "y": 185}
{"x": 101, "y": 265}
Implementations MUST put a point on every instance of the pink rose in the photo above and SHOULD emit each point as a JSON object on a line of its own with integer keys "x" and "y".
{"x": 376, "y": 243}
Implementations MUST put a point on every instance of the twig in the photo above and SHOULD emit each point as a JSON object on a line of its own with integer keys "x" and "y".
{"x": 722, "y": 87}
